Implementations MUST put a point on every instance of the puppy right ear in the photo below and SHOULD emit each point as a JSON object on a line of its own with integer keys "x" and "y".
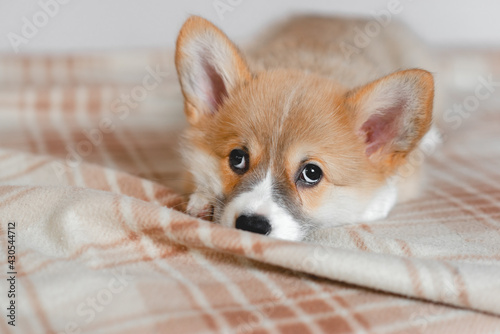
{"x": 209, "y": 67}
{"x": 393, "y": 114}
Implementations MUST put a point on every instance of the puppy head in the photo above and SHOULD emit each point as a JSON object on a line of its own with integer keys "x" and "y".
{"x": 281, "y": 152}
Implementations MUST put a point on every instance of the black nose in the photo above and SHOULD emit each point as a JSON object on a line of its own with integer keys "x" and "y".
{"x": 253, "y": 223}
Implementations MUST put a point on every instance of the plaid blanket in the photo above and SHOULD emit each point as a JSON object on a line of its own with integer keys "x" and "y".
{"x": 91, "y": 216}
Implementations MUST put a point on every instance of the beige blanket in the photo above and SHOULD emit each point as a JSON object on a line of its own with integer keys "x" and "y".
{"x": 90, "y": 178}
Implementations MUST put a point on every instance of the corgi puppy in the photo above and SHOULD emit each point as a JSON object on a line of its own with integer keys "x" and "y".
{"x": 307, "y": 130}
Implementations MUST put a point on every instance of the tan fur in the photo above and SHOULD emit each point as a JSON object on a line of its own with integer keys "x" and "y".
{"x": 314, "y": 44}
{"x": 300, "y": 100}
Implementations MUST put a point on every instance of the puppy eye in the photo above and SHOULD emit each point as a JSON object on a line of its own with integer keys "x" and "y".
{"x": 310, "y": 174}
{"x": 239, "y": 161}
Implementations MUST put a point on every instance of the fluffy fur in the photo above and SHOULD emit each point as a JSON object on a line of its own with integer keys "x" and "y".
{"x": 298, "y": 99}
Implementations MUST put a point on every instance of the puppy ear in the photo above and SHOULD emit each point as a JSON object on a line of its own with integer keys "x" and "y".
{"x": 209, "y": 67}
{"x": 392, "y": 114}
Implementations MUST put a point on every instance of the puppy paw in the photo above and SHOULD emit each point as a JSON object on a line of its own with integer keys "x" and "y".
{"x": 199, "y": 206}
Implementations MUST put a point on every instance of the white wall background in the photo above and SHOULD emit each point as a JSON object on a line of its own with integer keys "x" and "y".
{"x": 83, "y": 25}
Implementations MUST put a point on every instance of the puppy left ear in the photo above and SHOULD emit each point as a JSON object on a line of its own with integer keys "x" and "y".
{"x": 392, "y": 114}
{"x": 209, "y": 67}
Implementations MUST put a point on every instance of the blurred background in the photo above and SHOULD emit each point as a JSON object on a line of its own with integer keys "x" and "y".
{"x": 51, "y": 26}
